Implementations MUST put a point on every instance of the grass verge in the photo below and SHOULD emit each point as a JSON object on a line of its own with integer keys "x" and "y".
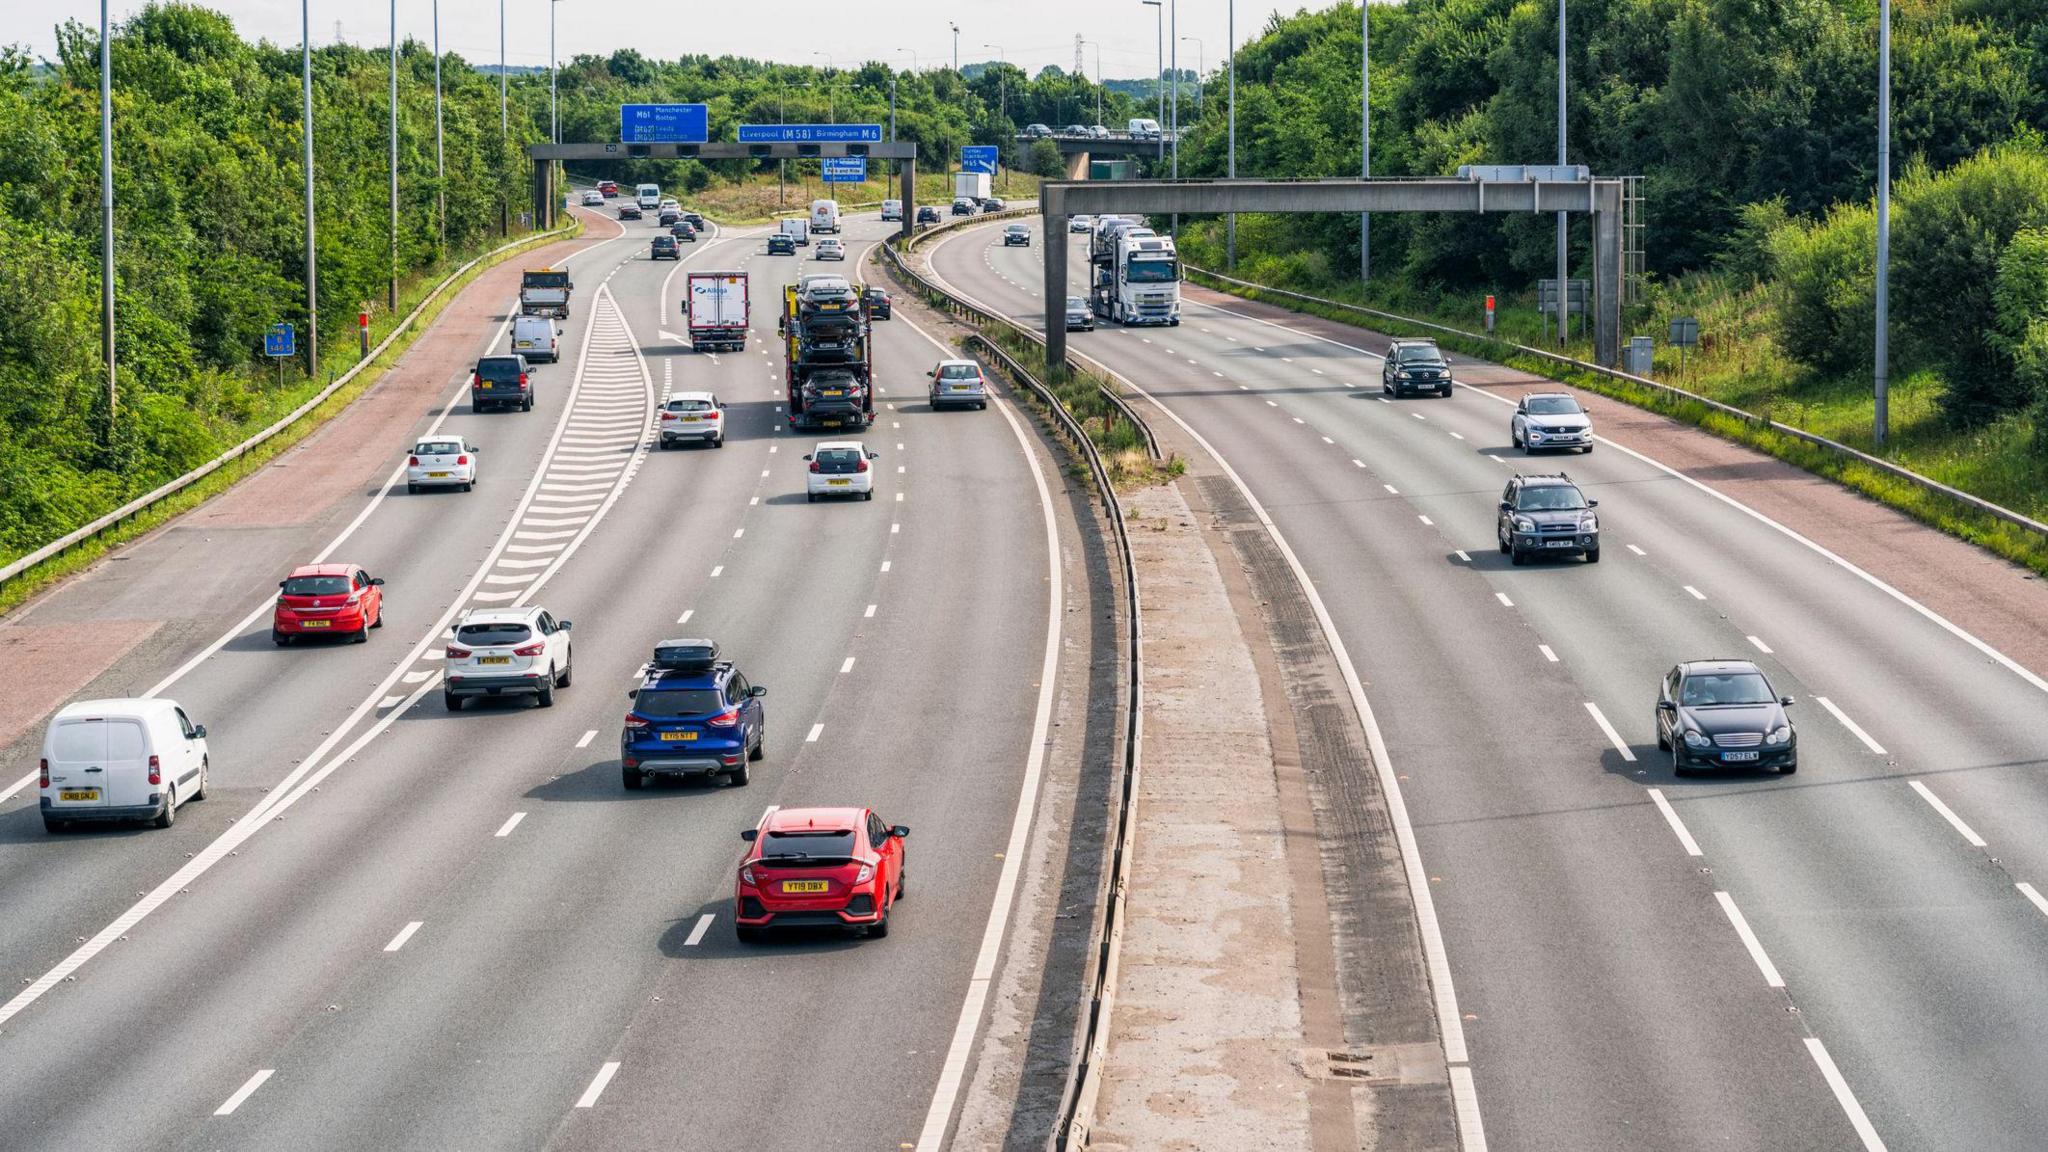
{"x": 25, "y": 586}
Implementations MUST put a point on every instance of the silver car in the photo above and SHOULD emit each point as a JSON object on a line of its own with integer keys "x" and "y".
{"x": 1550, "y": 420}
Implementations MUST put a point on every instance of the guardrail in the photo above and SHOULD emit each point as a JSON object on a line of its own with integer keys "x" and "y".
{"x": 1836, "y": 447}
{"x": 962, "y": 307}
{"x": 171, "y": 488}
{"x": 1084, "y": 1074}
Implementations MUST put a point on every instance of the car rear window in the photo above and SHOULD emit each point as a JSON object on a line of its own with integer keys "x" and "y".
{"x": 960, "y": 372}
{"x": 496, "y": 368}
{"x": 807, "y": 846}
{"x": 662, "y": 703}
{"x": 838, "y": 460}
{"x": 689, "y": 405}
{"x": 79, "y": 741}
{"x": 436, "y": 447}
{"x": 316, "y": 586}
{"x": 494, "y": 635}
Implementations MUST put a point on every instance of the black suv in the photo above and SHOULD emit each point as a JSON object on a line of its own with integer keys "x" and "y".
{"x": 1724, "y": 714}
{"x": 781, "y": 244}
{"x": 664, "y": 248}
{"x": 501, "y": 381}
{"x": 1415, "y": 366}
{"x": 878, "y": 303}
{"x": 1547, "y": 514}
{"x": 926, "y": 214}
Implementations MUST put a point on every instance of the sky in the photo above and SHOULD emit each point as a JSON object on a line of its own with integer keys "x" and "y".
{"x": 907, "y": 33}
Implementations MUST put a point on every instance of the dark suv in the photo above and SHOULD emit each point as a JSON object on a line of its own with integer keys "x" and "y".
{"x": 781, "y": 244}
{"x": 664, "y": 248}
{"x": 1415, "y": 366}
{"x": 693, "y": 715}
{"x": 1724, "y": 714}
{"x": 501, "y": 382}
{"x": 1547, "y": 514}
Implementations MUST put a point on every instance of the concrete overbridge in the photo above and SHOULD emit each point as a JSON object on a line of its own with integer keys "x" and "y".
{"x": 1078, "y": 150}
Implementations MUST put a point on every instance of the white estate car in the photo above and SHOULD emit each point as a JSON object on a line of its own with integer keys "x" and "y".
{"x": 441, "y": 461}
{"x": 506, "y": 652}
{"x": 121, "y": 760}
{"x": 693, "y": 416}
{"x": 840, "y": 468}
{"x": 829, "y": 248}
{"x": 1550, "y": 420}
{"x": 593, "y": 198}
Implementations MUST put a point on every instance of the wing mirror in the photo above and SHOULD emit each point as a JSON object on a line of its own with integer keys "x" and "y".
{"x": 376, "y": 581}
{"x": 1506, "y": 507}
{"x": 874, "y": 455}
{"x": 1667, "y": 706}
{"x": 758, "y": 690}
{"x": 632, "y": 693}
{"x": 807, "y": 455}
{"x": 282, "y": 583}
{"x": 199, "y": 731}
{"x": 564, "y": 625}
{"x": 900, "y": 831}
{"x": 750, "y": 835}
{"x": 934, "y": 373}
{"x": 1592, "y": 503}
{"x": 1785, "y": 701}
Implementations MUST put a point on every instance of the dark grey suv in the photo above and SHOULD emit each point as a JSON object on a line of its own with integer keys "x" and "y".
{"x": 1724, "y": 714}
{"x": 1541, "y": 515}
{"x": 1415, "y": 366}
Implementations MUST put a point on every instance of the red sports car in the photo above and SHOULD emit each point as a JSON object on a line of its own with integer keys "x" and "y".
{"x": 819, "y": 867}
{"x": 328, "y": 599}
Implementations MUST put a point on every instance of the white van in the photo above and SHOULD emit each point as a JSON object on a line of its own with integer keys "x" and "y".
{"x": 797, "y": 229}
{"x": 824, "y": 215}
{"x": 1143, "y": 128}
{"x": 649, "y": 196}
{"x": 892, "y": 209}
{"x": 121, "y": 760}
{"x": 535, "y": 337}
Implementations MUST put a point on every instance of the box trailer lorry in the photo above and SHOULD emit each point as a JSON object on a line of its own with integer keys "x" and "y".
{"x": 715, "y": 305}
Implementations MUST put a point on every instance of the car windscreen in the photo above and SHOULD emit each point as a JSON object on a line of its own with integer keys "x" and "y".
{"x": 436, "y": 447}
{"x": 498, "y": 368}
{"x": 689, "y": 405}
{"x": 316, "y": 586}
{"x": 1421, "y": 354}
{"x": 494, "y": 635}
{"x": 664, "y": 703}
{"x": 838, "y": 460}
{"x": 807, "y": 847}
{"x": 1716, "y": 689}
{"x": 1076, "y": 304}
{"x": 1553, "y": 406}
{"x": 1550, "y": 498}
{"x": 1154, "y": 272}
{"x": 960, "y": 372}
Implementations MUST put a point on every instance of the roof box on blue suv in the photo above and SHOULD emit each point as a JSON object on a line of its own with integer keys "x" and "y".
{"x": 686, "y": 655}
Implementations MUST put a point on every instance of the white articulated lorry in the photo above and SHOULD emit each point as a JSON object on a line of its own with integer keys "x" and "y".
{"x": 716, "y": 307}
{"x": 1134, "y": 274}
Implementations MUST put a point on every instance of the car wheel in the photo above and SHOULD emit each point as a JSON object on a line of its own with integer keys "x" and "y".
{"x": 451, "y": 701}
{"x": 1789, "y": 769}
{"x": 568, "y": 670}
{"x": 526, "y": 405}
{"x": 868, "y": 495}
{"x": 412, "y": 489}
{"x": 633, "y": 779}
{"x": 1678, "y": 767}
{"x": 53, "y": 825}
{"x": 1516, "y": 556}
{"x": 1446, "y": 393}
{"x": 810, "y": 497}
{"x": 760, "y": 749}
{"x": 1663, "y": 741}
{"x": 880, "y": 927}
{"x": 719, "y": 442}
{"x": 1592, "y": 555}
{"x": 477, "y": 407}
{"x": 379, "y": 621}
{"x": 201, "y": 793}
{"x": 547, "y": 689}
{"x": 1514, "y": 437}
{"x": 739, "y": 776}
{"x": 468, "y": 485}
{"x": 982, "y": 406}
{"x": 362, "y": 635}
{"x": 1502, "y": 544}
{"x": 747, "y": 933}
{"x": 902, "y": 884}
{"x": 279, "y": 638}
{"x": 169, "y": 815}
{"x": 1588, "y": 450}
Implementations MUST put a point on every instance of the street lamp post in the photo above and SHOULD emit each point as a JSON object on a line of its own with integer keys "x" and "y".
{"x": 554, "y": 118}
{"x": 956, "y": 47}
{"x": 1563, "y": 221}
{"x": 914, "y": 65}
{"x": 1880, "y": 427}
{"x": 1002, "y": 79}
{"x": 1230, "y": 221}
{"x": 1097, "y": 45}
{"x": 440, "y": 154}
{"x": 306, "y": 131}
{"x": 392, "y": 296}
{"x": 1365, "y": 133}
{"x": 1173, "y": 62}
{"x": 1201, "y": 70}
{"x": 107, "y": 213}
{"x": 1159, "y": 77}
{"x": 504, "y": 119}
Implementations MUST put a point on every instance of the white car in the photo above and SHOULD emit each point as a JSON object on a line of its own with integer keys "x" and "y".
{"x": 1080, "y": 223}
{"x": 668, "y": 202}
{"x": 506, "y": 652}
{"x": 693, "y": 416}
{"x": 840, "y": 468}
{"x": 1550, "y": 420}
{"x": 441, "y": 462}
{"x": 121, "y": 760}
{"x": 593, "y": 198}
{"x": 829, "y": 248}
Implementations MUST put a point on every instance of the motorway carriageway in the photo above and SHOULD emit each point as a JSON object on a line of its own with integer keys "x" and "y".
{"x": 1856, "y": 955}
{"x": 390, "y": 926}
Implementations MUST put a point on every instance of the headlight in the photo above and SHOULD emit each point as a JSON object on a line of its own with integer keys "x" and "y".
{"x": 1589, "y": 524}
{"x": 1524, "y": 524}
{"x": 867, "y": 873}
{"x": 1782, "y": 735}
{"x": 1697, "y": 740}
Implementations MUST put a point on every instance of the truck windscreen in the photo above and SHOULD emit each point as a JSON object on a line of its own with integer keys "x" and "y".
{"x": 1154, "y": 271}
{"x": 544, "y": 280}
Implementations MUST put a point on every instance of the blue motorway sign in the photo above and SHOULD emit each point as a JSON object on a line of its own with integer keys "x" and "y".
{"x": 664, "y": 123}
{"x": 810, "y": 133}
{"x": 845, "y": 169}
{"x": 979, "y": 158}
{"x": 280, "y": 340}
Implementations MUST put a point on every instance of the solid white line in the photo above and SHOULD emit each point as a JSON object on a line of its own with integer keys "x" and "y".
{"x": 1613, "y": 737}
{"x": 1749, "y": 941}
{"x": 1299, "y": 420}
{"x": 1948, "y": 814}
{"x": 817, "y": 730}
{"x": 1465, "y": 1101}
{"x": 1843, "y": 1096}
{"x": 697, "y": 933}
{"x": 1760, "y": 645}
{"x": 596, "y": 1089}
{"x": 2033, "y": 897}
{"x": 1694, "y": 592}
{"x": 869, "y": 612}
{"x": 846, "y": 666}
{"x": 1547, "y": 653}
{"x": 685, "y": 617}
{"x": 1854, "y": 728}
{"x": 510, "y": 823}
{"x": 587, "y": 737}
{"x": 247, "y": 1089}
{"x": 1692, "y": 847}
{"x": 404, "y": 934}
{"x": 1503, "y": 598}
{"x": 25, "y": 781}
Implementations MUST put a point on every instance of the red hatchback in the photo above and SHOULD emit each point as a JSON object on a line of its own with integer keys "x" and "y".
{"x": 328, "y": 599}
{"x": 819, "y": 867}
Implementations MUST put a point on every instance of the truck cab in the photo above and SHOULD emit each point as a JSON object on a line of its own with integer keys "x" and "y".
{"x": 545, "y": 292}
{"x": 1134, "y": 274}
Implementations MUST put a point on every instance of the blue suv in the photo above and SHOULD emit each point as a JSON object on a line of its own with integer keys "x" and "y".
{"x": 694, "y": 715}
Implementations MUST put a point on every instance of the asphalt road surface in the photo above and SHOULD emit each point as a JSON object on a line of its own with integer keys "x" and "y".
{"x": 391, "y": 926}
{"x": 1856, "y": 955}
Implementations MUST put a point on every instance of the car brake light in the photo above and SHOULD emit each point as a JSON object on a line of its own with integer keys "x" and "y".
{"x": 724, "y": 719}
{"x": 633, "y": 721}
{"x": 747, "y": 876}
{"x": 815, "y": 468}
{"x": 533, "y": 649}
{"x": 462, "y": 459}
{"x": 156, "y": 771}
{"x": 522, "y": 379}
{"x": 860, "y": 465}
{"x": 414, "y": 461}
{"x": 867, "y": 873}
{"x": 475, "y": 378}
{"x": 668, "y": 415}
{"x": 455, "y": 653}
{"x": 46, "y": 775}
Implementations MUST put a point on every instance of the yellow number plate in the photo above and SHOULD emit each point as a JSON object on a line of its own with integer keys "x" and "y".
{"x": 838, "y": 483}
{"x": 437, "y": 475}
{"x": 79, "y": 794}
{"x": 314, "y": 623}
{"x": 494, "y": 659}
{"x": 805, "y": 886}
{"x": 487, "y": 385}
{"x": 678, "y": 735}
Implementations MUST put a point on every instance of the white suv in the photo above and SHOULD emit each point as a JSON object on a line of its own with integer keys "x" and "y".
{"x": 829, "y": 248}
{"x": 693, "y": 416}
{"x": 506, "y": 652}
